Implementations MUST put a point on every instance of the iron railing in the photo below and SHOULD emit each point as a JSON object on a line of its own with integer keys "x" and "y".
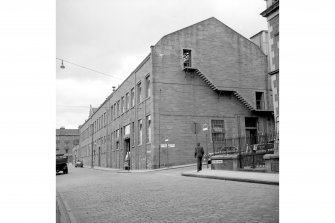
{"x": 250, "y": 149}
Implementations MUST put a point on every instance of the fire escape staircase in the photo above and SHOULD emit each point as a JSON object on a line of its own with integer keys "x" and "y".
{"x": 211, "y": 85}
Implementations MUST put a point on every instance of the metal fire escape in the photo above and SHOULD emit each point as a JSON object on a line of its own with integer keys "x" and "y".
{"x": 214, "y": 88}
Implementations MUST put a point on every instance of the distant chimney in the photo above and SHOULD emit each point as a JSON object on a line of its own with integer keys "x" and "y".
{"x": 62, "y": 127}
{"x": 113, "y": 88}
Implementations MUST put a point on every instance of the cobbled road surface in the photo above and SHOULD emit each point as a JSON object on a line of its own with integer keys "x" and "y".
{"x": 97, "y": 196}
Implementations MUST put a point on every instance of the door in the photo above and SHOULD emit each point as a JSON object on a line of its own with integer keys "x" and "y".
{"x": 99, "y": 156}
{"x": 126, "y": 149}
{"x": 251, "y": 135}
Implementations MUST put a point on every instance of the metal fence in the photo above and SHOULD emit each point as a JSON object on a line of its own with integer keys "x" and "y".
{"x": 250, "y": 149}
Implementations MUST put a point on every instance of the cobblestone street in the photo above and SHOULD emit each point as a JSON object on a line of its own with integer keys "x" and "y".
{"x": 164, "y": 196}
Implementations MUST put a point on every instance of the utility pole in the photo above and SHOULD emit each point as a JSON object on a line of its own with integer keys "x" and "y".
{"x": 92, "y": 126}
{"x": 159, "y": 129}
{"x": 205, "y": 129}
{"x": 167, "y": 151}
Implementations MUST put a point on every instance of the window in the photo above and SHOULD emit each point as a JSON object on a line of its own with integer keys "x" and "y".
{"x": 139, "y": 89}
{"x": 132, "y": 98}
{"x": 133, "y": 131}
{"x": 187, "y": 58}
{"x": 218, "y": 133}
{"x": 122, "y": 105}
{"x": 148, "y": 129}
{"x": 117, "y": 133}
{"x": 251, "y": 122}
{"x": 118, "y": 108}
{"x": 139, "y": 132}
{"x": 105, "y": 122}
{"x": 127, "y": 102}
{"x": 147, "y": 86}
{"x": 260, "y": 100}
{"x": 112, "y": 113}
{"x": 127, "y": 130}
{"x": 76, "y": 142}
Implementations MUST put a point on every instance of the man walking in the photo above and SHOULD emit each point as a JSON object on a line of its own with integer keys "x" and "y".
{"x": 198, "y": 153}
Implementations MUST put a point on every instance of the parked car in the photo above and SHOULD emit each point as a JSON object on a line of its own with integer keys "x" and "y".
{"x": 79, "y": 164}
{"x": 61, "y": 163}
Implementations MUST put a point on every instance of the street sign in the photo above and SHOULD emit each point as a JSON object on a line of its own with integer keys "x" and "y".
{"x": 172, "y": 145}
{"x": 217, "y": 161}
{"x": 163, "y": 145}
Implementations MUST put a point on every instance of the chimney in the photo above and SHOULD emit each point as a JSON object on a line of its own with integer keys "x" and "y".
{"x": 113, "y": 88}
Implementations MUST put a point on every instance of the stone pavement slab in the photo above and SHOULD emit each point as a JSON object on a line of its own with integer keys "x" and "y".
{"x": 242, "y": 176}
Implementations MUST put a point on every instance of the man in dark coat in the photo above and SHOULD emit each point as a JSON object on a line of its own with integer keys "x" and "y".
{"x": 198, "y": 153}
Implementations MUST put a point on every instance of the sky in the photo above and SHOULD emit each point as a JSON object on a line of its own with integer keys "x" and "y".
{"x": 114, "y": 36}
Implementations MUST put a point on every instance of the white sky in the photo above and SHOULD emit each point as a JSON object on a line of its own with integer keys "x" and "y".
{"x": 114, "y": 36}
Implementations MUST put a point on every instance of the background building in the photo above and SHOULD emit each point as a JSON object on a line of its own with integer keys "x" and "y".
{"x": 261, "y": 39}
{"x": 203, "y": 75}
{"x": 75, "y": 153}
{"x": 272, "y": 15}
{"x": 66, "y": 139}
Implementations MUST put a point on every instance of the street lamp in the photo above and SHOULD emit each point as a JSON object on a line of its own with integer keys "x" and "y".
{"x": 62, "y": 66}
{"x": 205, "y": 129}
{"x": 167, "y": 150}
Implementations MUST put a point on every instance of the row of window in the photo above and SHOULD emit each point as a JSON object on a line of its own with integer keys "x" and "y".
{"x": 120, "y": 106}
{"x": 128, "y": 101}
{"x": 74, "y": 142}
{"x": 125, "y": 131}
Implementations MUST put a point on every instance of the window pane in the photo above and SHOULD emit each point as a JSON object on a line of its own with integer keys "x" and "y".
{"x": 147, "y": 86}
{"x": 132, "y": 97}
{"x": 148, "y": 129}
{"x": 139, "y": 89}
{"x": 140, "y": 131}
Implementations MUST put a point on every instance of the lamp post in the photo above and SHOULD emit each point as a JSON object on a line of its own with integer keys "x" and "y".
{"x": 205, "y": 129}
{"x": 92, "y": 127}
{"x": 167, "y": 150}
{"x": 62, "y": 65}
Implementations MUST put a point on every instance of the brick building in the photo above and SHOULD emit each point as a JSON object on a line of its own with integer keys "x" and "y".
{"x": 272, "y": 15}
{"x": 66, "y": 139}
{"x": 203, "y": 75}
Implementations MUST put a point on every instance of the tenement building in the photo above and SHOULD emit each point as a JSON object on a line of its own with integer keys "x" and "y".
{"x": 204, "y": 83}
{"x": 66, "y": 139}
{"x": 272, "y": 15}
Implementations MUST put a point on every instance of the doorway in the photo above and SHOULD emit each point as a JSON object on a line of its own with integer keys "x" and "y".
{"x": 126, "y": 150}
{"x": 251, "y": 130}
{"x": 99, "y": 156}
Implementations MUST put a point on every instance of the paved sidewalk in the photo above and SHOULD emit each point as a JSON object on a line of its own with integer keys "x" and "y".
{"x": 138, "y": 171}
{"x": 242, "y": 176}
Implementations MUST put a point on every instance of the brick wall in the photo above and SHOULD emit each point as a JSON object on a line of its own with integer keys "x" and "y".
{"x": 178, "y": 100}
